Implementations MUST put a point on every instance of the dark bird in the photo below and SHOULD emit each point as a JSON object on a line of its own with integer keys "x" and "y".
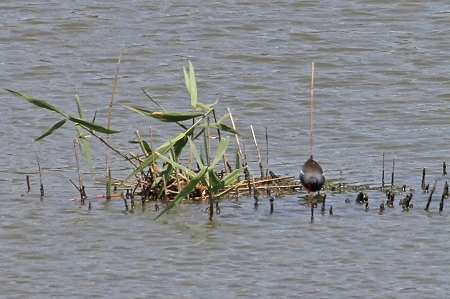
{"x": 311, "y": 176}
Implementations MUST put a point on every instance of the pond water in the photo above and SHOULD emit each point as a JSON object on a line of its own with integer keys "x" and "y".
{"x": 381, "y": 85}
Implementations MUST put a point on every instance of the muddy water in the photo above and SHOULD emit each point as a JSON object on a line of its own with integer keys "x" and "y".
{"x": 381, "y": 85}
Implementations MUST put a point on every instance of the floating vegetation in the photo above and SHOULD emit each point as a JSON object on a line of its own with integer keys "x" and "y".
{"x": 177, "y": 170}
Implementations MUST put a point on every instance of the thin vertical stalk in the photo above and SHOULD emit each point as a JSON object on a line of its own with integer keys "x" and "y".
{"x": 267, "y": 153}
{"x": 80, "y": 173}
{"x": 382, "y": 176}
{"x": 257, "y": 152}
{"x": 108, "y": 183}
{"x": 110, "y": 112}
{"x": 311, "y": 115}
{"x": 208, "y": 161}
{"x": 40, "y": 174}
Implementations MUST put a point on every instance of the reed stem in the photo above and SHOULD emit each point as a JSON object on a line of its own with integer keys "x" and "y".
{"x": 311, "y": 115}
{"x": 40, "y": 174}
{"x": 257, "y": 152}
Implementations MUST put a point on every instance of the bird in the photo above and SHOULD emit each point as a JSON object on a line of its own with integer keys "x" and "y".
{"x": 311, "y": 176}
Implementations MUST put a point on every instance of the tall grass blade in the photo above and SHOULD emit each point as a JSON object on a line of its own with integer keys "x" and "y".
{"x": 84, "y": 143}
{"x": 192, "y": 86}
{"x": 223, "y": 144}
{"x": 80, "y": 111}
{"x": 196, "y": 154}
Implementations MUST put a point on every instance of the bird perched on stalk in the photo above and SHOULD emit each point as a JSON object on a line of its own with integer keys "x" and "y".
{"x": 311, "y": 176}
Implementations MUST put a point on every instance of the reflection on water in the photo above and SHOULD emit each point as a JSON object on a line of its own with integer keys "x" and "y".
{"x": 381, "y": 85}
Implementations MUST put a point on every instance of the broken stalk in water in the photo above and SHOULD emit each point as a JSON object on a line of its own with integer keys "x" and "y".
{"x": 431, "y": 195}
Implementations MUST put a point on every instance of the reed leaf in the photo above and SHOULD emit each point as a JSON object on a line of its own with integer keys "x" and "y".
{"x": 228, "y": 180}
{"x": 191, "y": 85}
{"x": 179, "y": 140}
{"x": 80, "y": 111}
{"x": 85, "y": 146}
{"x": 186, "y": 170}
{"x": 144, "y": 145}
{"x": 185, "y": 191}
{"x": 90, "y": 125}
{"x": 223, "y": 144}
{"x": 39, "y": 103}
{"x": 223, "y": 127}
{"x": 52, "y": 129}
{"x": 196, "y": 154}
{"x": 166, "y": 116}
{"x": 84, "y": 143}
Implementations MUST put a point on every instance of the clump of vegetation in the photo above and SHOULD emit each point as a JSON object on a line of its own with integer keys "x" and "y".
{"x": 157, "y": 173}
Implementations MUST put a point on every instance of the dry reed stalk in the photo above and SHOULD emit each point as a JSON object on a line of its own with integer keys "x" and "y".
{"x": 267, "y": 153}
{"x": 382, "y": 176}
{"x": 311, "y": 115}
{"x": 243, "y": 162}
{"x": 257, "y": 152}
{"x": 108, "y": 174}
{"x": 241, "y": 155}
{"x": 208, "y": 161}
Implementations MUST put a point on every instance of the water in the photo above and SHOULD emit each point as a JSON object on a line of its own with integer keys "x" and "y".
{"x": 381, "y": 85}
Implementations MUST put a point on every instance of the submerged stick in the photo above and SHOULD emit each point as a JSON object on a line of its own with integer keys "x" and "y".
{"x": 393, "y": 167}
{"x": 108, "y": 183}
{"x": 80, "y": 173}
{"x": 444, "y": 169}
{"x": 441, "y": 204}
{"x": 40, "y": 173}
{"x": 423, "y": 179}
{"x": 446, "y": 189}
{"x": 431, "y": 195}
{"x": 28, "y": 184}
{"x": 257, "y": 152}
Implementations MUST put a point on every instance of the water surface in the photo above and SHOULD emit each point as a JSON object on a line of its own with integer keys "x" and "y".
{"x": 381, "y": 85}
